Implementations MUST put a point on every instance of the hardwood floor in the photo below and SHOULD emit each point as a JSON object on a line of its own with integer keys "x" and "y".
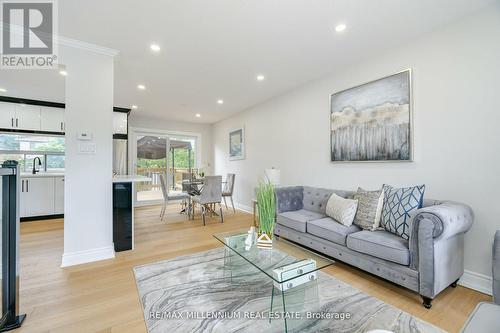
{"x": 102, "y": 297}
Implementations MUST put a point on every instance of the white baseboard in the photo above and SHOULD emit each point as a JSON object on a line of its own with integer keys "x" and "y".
{"x": 244, "y": 208}
{"x": 83, "y": 257}
{"x": 476, "y": 281}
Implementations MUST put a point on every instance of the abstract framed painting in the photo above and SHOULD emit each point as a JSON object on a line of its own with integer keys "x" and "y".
{"x": 237, "y": 144}
{"x": 372, "y": 122}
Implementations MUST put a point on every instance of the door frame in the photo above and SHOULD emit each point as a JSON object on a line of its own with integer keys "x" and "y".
{"x": 132, "y": 147}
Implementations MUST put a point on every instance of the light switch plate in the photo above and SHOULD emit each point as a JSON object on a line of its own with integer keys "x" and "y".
{"x": 87, "y": 148}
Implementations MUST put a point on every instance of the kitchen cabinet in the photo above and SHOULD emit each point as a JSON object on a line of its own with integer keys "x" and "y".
{"x": 31, "y": 117}
{"x": 123, "y": 210}
{"x": 41, "y": 195}
{"x": 37, "y": 196}
{"x": 52, "y": 119}
{"x": 58, "y": 195}
{"x": 8, "y": 112}
{"x": 27, "y": 117}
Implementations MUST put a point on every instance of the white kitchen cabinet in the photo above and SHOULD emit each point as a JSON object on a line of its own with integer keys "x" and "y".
{"x": 27, "y": 117}
{"x": 37, "y": 196}
{"x": 7, "y": 115}
{"x": 52, "y": 119}
{"x": 58, "y": 195}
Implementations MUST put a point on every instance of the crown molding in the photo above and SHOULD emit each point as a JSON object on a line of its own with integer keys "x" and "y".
{"x": 94, "y": 48}
{"x": 70, "y": 42}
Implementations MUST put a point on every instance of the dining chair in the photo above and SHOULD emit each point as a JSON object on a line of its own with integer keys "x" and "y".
{"x": 228, "y": 189}
{"x": 210, "y": 194}
{"x": 165, "y": 195}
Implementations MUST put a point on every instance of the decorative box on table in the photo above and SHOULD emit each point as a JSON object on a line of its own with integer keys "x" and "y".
{"x": 295, "y": 274}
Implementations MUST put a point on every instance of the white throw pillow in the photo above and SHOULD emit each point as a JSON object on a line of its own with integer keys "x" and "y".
{"x": 341, "y": 210}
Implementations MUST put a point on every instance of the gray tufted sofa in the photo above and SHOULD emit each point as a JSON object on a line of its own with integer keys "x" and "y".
{"x": 429, "y": 262}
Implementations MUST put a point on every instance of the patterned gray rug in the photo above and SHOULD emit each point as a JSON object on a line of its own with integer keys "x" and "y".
{"x": 198, "y": 293}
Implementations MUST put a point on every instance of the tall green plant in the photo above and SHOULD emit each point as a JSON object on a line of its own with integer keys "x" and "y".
{"x": 266, "y": 202}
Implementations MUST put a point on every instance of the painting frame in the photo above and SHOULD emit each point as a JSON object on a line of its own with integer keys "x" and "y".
{"x": 232, "y": 135}
{"x": 409, "y": 73}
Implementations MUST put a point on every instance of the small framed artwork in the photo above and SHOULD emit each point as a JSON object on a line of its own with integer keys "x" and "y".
{"x": 237, "y": 144}
{"x": 373, "y": 121}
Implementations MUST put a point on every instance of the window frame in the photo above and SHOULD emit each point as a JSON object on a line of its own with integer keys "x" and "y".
{"x": 43, "y": 153}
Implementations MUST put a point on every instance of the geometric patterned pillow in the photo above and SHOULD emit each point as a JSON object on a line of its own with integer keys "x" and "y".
{"x": 398, "y": 203}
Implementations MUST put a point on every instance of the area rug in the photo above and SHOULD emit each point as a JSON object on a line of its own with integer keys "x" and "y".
{"x": 198, "y": 293}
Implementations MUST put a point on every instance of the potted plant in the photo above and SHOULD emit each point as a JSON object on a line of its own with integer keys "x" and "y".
{"x": 266, "y": 203}
{"x": 201, "y": 172}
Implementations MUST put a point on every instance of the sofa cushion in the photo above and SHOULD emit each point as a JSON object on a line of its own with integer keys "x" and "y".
{"x": 381, "y": 244}
{"x": 398, "y": 204}
{"x": 289, "y": 198}
{"x": 315, "y": 199}
{"x": 329, "y": 229}
{"x": 297, "y": 219}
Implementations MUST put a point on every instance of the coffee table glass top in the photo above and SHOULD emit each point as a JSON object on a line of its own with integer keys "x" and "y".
{"x": 269, "y": 261}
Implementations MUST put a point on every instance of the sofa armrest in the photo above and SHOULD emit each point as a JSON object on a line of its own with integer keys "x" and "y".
{"x": 496, "y": 268}
{"x": 289, "y": 198}
{"x": 448, "y": 218}
{"x": 437, "y": 244}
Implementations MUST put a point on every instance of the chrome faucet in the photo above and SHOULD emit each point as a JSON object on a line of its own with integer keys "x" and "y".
{"x": 34, "y": 165}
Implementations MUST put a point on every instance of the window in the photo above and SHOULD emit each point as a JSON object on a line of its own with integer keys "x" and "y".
{"x": 25, "y": 147}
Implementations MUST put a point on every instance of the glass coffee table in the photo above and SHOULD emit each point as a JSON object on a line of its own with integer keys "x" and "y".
{"x": 291, "y": 268}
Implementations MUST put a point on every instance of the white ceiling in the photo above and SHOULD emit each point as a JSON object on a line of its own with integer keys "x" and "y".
{"x": 214, "y": 49}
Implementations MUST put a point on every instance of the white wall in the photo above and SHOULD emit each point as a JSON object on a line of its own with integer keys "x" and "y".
{"x": 456, "y": 88}
{"x": 88, "y": 221}
{"x": 205, "y": 130}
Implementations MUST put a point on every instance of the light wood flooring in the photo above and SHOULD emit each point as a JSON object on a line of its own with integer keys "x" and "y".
{"x": 102, "y": 296}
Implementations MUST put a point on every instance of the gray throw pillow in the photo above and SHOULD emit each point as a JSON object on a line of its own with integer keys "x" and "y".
{"x": 369, "y": 212}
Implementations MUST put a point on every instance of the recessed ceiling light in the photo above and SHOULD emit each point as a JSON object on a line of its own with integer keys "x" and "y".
{"x": 260, "y": 77}
{"x": 141, "y": 87}
{"x": 220, "y": 101}
{"x": 340, "y": 27}
{"x": 63, "y": 72}
{"x": 155, "y": 47}
{"x": 198, "y": 115}
{"x": 134, "y": 107}
{"x": 3, "y": 90}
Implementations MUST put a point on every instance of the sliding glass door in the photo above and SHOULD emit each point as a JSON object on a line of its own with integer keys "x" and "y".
{"x": 151, "y": 160}
{"x": 155, "y": 153}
